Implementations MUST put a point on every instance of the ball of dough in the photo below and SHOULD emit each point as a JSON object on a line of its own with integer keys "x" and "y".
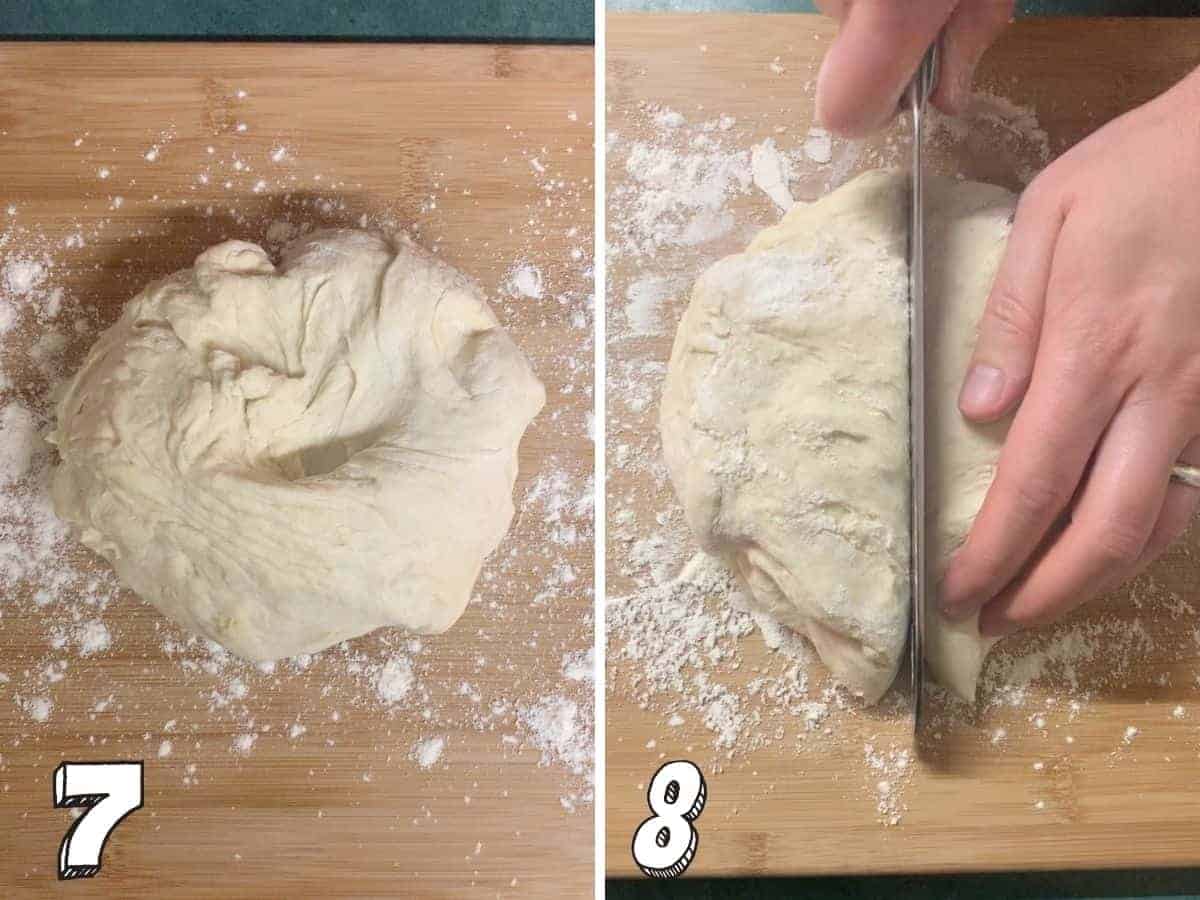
{"x": 283, "y": 458}
{"x": 785, "y": 416}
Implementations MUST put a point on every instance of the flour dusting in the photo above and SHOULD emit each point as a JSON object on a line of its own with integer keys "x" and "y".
{"x": 428, "y": 752}
{"x": 684, "y": 646}
{"x": 93, "y": 660}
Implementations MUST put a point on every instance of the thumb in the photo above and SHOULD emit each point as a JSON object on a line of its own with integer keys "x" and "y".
{"x": 973, "y": 28}
{"x": 1002, "y": 364}
{"x": 872, "y": 59}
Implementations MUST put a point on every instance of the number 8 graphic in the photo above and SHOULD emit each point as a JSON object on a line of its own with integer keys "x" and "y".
{"x": 665, "y": 844}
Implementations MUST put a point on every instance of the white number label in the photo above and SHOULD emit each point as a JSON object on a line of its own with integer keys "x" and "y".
{"x": 665, "y": 844}
{"x": 110, "y": 791}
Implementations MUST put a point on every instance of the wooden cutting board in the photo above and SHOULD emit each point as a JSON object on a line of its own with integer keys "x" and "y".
{"x": 1060, "y": 788}
{"x": 484, "y": 151}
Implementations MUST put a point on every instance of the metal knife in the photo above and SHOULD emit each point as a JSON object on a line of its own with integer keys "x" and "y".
{"x": 917, "y": 97}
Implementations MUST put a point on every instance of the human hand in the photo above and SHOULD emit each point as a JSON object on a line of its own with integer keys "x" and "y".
{"x": 880, "y": 45}
{"x": 1093, "y": 327}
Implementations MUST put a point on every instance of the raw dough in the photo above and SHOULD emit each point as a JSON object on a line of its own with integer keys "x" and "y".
{"x": 283, "y": 458}
{"x": 785, "y": 417}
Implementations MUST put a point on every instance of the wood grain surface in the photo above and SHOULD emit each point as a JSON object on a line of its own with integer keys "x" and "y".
{"x": 486, "y": 153}
{"x": 1060, "y": 787}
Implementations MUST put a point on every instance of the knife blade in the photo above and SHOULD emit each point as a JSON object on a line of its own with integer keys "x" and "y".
{"x": 918, "y": 96}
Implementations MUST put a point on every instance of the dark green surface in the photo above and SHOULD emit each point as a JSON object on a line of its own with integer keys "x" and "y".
{"x": 518, "y": 20}
{"x": 471, "y": 20}
{"x": 1024, "y": 7}
{"x": 1166, "y": 883}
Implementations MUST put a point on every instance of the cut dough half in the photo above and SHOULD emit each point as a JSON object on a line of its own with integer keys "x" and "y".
{"x": 785, "y": 417}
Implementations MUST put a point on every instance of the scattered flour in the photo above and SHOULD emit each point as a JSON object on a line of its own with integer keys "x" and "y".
{"x": 22, "y": 275}
{"x": 683, "y": 644}
{"x": 38, "y": 708}
{"x": 9, "y": 315}
{"x": 78, "y": 626}
{"x": 92, "y": 637}
{"x": 668, "y": 118}
{"x": 428, "y": 752}
{"x": 643, "y": 305}
{"x": 675, "y": 195}
{"x": 772, "y": 172}
{"x": 560, "y": 729}
{"x": 524, "y": 280}
{"x": 18, "y": 442}
{"x": 395, "y": 680}
{"x": 818, "y": 146}
{"x": 565, "y": 503}
{"x": 244, "y": 743}
{"x": 580, "y": 665}
{"x": 891, "y": 769}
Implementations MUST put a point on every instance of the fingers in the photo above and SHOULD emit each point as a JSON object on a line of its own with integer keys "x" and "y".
{"x": 1071, "y": 400}
{"x": 880, "y": 45}
{"x": 1178, "y": 510}
{"x": 1002, "y": 364}
{"x": 1112, "y": 521}
{"x": 972, "y": 28}
{"x": 873, "y": 58}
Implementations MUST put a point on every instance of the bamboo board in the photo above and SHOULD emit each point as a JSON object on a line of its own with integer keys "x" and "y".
{"x": 438, "y": 139}
{"x": 1104, "y": 801}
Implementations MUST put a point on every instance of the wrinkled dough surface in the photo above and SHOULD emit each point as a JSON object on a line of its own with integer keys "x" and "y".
{"x": 785, "y": 417}
{"x": 280, "y": 459}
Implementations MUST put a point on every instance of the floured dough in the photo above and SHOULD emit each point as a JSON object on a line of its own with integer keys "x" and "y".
{"x": 967, "y": 225}
{"x": 283, "y": 458}
{"x": 785, "y": 417}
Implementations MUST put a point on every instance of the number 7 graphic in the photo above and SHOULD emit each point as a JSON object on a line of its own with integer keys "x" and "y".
{"x": 111, "y": 791}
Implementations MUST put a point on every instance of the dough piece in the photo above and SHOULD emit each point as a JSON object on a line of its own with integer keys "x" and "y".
{"x": 281, "y": 459}
{"x": 967, "y": 226}
{"x": 785, "y": 417}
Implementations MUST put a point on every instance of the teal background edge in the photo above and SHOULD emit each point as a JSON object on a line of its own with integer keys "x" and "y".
{"x": 535, "y": 21}
{"x": 1024, "y": 7}
{"x": 544, "y": 21}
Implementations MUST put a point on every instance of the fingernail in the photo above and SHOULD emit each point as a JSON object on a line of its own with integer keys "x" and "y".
{"x": 957, "y": 612}
{"x": 954, "y": 610}
{"x": 943, "y": 596}
{"x": 982, "y": 389}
